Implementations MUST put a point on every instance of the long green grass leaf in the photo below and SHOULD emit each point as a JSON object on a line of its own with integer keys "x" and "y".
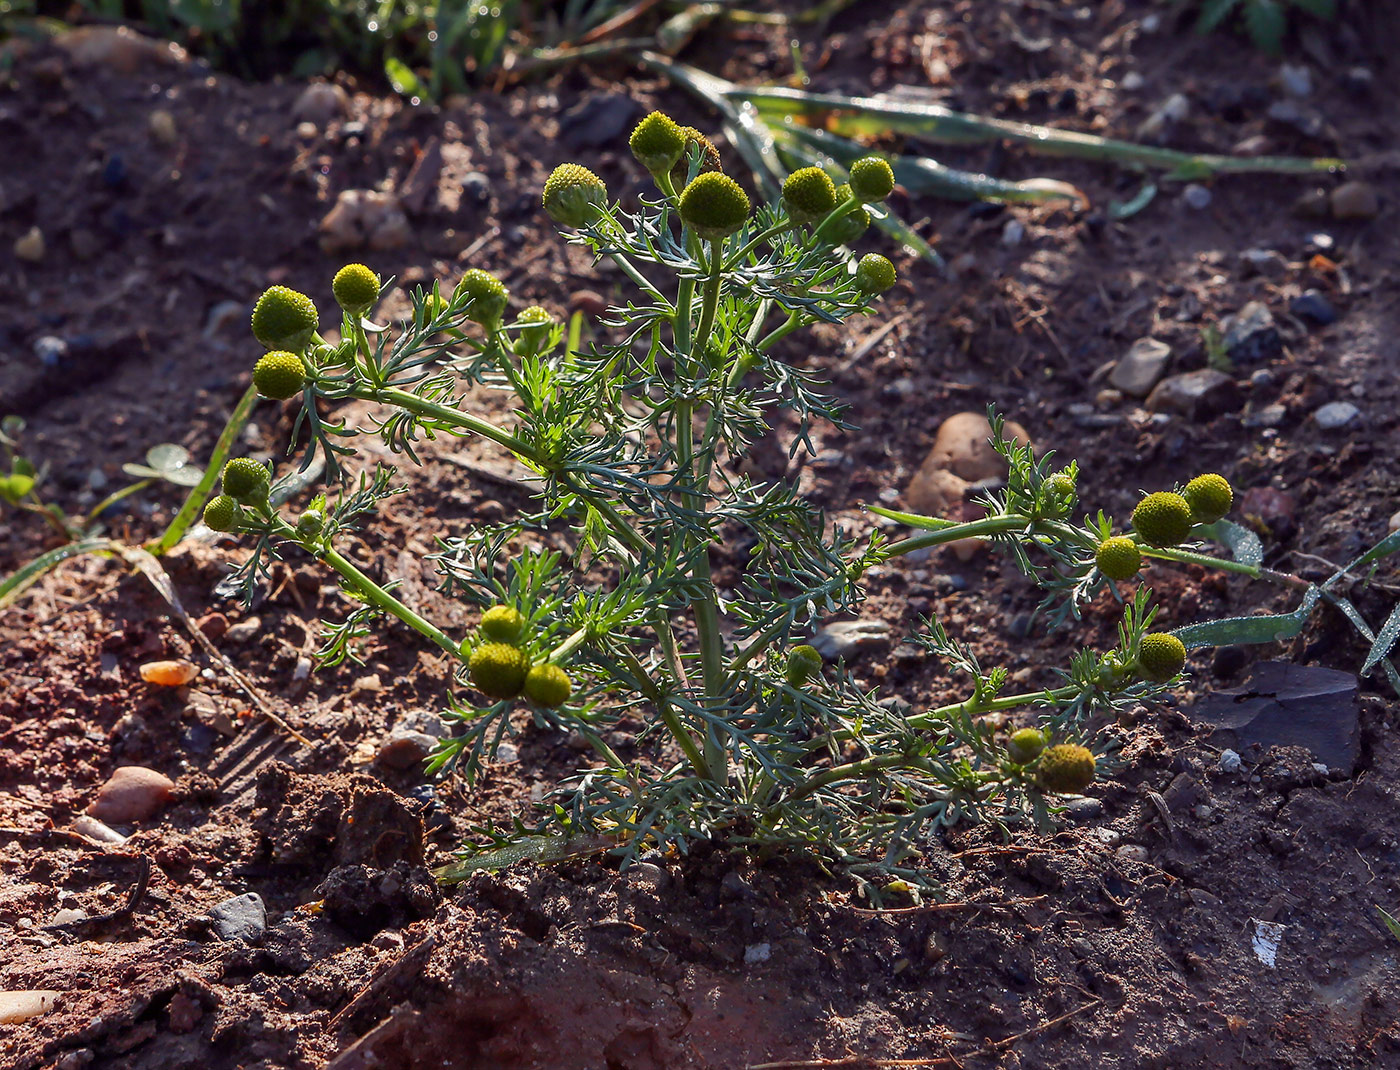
{"x": 17, "y": 582}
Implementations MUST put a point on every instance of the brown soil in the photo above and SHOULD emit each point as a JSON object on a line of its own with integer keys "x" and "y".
{"x": 1123, "y": 940}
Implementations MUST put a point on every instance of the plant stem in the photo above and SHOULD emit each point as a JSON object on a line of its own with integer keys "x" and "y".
{"x": 377, "y": 595}
{"x": 112, "y": 499}
{"x": 934, "y": 717}
{"x": 452, "y": 417}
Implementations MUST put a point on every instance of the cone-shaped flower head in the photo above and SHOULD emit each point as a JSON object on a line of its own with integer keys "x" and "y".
{"x": 356, "y": 288}
{"x": 279, "y": 375}
{"x": 871, "y": 179}
{"x": 1118, "y": 558}
{"x": 1161, "y": 656}
{"x": 714, "y": 206}
{"x": 709, "y": 156}
{"x": 803, "y": 663}
{"x": 1210, "y": 497}
{"x": 548, "y": 685}
{"x": 1162, "y": 519}
{"x": 246, "y": 481}
{"x": 222, "y": 513}
{"x": 573, "y": 195}
{"x": 1065, "y": 768}
{"x": 531, "y": 337}
{"x": 658, "y": 143}
{"x": 1025, "y": 745}
{"x": 284, "y": 319}
{"x": 498, "y": 669}
{"x": 488, "y": 297}
{"x": 874, "y": 274}
{"x": 502, "y": 624}
{"x": 808, "y": 195}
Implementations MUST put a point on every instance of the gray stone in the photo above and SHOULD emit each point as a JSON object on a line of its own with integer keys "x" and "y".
{"x": 1287, "y": 705}
{"x": 1196, "y": 196}
{"x": 1013, "y": 233}
{"x": 1267, "y": 262}
{"x": 1141, "y": 367}
{"x": 1312, "y": 306}
{"x": 244, "y": 917}
{"x": 1355, "y": 200}
{"x": 1296, "y": 79}
{"x": 846, "y": 638}
{"x": 1196, "y": 395}
{"x": 405, "y": 748}
{"x": 1335, "y": 415}
{"x": 244, "y": 630}
{"x": 1251, "y": 335}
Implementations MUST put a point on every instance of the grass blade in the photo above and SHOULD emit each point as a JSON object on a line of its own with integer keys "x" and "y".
{"x": 17, "y": 582}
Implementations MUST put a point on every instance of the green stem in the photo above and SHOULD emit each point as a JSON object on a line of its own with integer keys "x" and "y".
{"x": 737, "y": 258}
{"x": 112, "y": 499}
{"x": 934, "y": 717}
{"x": 842, "y": 210}
{"x": 377, "y": 595}
{"x": 991, "y": 525}
{"x": 850, "y": 771}
{"x": 453, "y": 417}
{"x": 1192, "y": 558}
{"x": 568, "y": 646}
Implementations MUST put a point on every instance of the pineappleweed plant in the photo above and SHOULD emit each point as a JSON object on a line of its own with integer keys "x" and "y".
{"x": 748, "y": 738}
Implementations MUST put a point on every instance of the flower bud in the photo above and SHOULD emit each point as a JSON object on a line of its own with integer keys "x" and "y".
{"x": 851, "y": 226}
{"x": 548, "y": 685}
{"x": 1210, "y": 497}
{"x": 803, "y": 663}
{"x": 310, "y": 524}
{"x": 1162, "y": 519}
{"x": 874, "y": 274}
{"x": 658, "y": 143}
{"x": 488, "y": 297}
{"x": 1118, "y": 558}
{"x": 222, "y": 513}
{"x": 246, "y": 481}
{"x": 709, "y": 156}
{"x": 531, "y": 337}
{"x": 872, "y": 179}
{"x": 284, "y": 319}
{"x": 279, "y": 375}
{"x": 1025, "y": 745}
{"x": 502, "y": 624}
{"x": 498, "y": 669}
{"x": 356, "y": 288}
{"x": 808, "y": 195}
{"x": 574, "y": 195}
{"x": 714, "y": 206}
{"x": 1066, "y": 769}
{"x": 1161, "y": 656}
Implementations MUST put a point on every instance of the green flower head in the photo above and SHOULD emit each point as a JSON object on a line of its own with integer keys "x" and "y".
{"x": 1210, "y": 497}
{"x": 851, "y": 226}
{"x": 548, "y": 685}
{"x": 498, "y": 669}
{"x": 874, "y": 274}
{"x": 488, "y": 297}
{"x": 709, "y": 156}
{"x": 714, "y": 206}
{"x": 1066, "y": 769}
{"x": 1118, "y": 558}
{"x": 1161, "y": 656}
{"x": 246, "y": 481}
{"x": 803, "y": 663}
{"x": 502, "y": 624}
{"x": 574, "y": 195}
{"x": 279, "y": 375}
{"x": 1025, "y": 745}
{"x": 1162, "y": 519}
{"x": 658, "y": 143}
{"x": 871, "y": 179}
{"x": 808, "y": 195}
{"x": 222, "y": 513}
{"x": 356, "y": 288}
{"x": 536, "y": 321}
{"x": 284, "y": 319}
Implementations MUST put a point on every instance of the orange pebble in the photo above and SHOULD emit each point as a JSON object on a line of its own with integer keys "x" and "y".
{"x": 168, "y": 673}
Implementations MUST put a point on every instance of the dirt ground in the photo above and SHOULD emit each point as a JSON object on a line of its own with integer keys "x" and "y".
{"x": 1129, "y": 938}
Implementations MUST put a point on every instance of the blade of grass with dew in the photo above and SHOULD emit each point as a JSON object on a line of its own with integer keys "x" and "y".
{"x": 873, "y": 116}
{"x": 19, "y": 581}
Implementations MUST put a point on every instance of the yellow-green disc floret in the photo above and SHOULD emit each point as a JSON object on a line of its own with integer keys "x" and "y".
{"x": 310, "y": 524}
{"x": 503, "y": 624}
{"x": 808, "y": 195}
{"x": 1210, "y": 497}
{"x": 222, "y": 513}
{"x": 1118, "y": 558}
{"x": 279, "y": 375}
{"x": 573, "y": 195}
{"x": 284, "y": 319}
{"x": 498, "y": 669}
{"x": 1162, "y": 519}
{"x": 658, "y": 143}
{"x": 356, "y": 288}
{"x": 1025, "y": 745}
{"x": 853, "y": 224}
{"x": 246, "y": 481}
{"x": 874, "y": 274}
{"x": 1061, "y": 483}
{"x": 488, "y": 297}
{"x": 1161, "y": 656}
{"x": 872, "y": 179}
{"x": 803, "y": 663}
{"x": 535, "y": 323}
{"x": 1065, "y": 768}
{"x": 709, "y": 156}
{"x": 548, "y": 685}
{"x": 714, "y": 206}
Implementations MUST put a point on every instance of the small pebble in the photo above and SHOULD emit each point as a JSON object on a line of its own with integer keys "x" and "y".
{"x": 1132, "y": 852}
{"x": 50, "y": 349}
{"x": 244, "y": 630}
{"x": 1229, "y": 761}
{"x": 69, "y": 915}
{"x": 93, "y": 829}
{"x": 846, "y": 638}
{"x": 1196, "y": 196}
{"x": 302, "y": 670}
{"x": 1355, "y": 200}
{"x": 168, "y": 673}
{"x": 16, "y": 1007}
{"x": 1335, "y": 415}
{"x": 756, "y": 953}
{"x": 1311, "y": 305}
{"x": 243, "y": 917}
{"x": 132, "y": 793}
{"x": 1133, "y": 81}
{"x": 405, "y": 749}
{"x": 476, "y": 187}
{"x": 161, "y": 125}
{"x": 507, "y": 753}
{"x": 1296, "y": 79}
{"x": 30, "y": 245}
{"x": 1013, "y": 233}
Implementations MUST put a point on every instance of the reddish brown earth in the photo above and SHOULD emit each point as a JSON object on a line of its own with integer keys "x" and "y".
{"x": 1122, "y": 940}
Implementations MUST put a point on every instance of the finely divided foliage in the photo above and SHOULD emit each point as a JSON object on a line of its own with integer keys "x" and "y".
{"x": 747, "y": 737}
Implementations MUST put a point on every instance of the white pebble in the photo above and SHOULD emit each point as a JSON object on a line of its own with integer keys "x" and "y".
{"x": 757, "y": 953}
{"x": 1229, "y": 761}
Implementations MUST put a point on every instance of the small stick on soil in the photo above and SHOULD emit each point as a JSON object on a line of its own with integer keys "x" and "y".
{"x": 134, "y": 897}
{"x": 411, "y": 961}
{"x": 938, "y": 908}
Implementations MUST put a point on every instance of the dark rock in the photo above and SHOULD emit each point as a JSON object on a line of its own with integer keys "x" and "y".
{"x": 1355, "y": 200}
{"x": 1311, "y": 305}
{"x": 244, "y": 917}
{"x": 1196, "y": 395}
{"x": 1250, "y": 335}
{"x": 1283, "y": 705}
